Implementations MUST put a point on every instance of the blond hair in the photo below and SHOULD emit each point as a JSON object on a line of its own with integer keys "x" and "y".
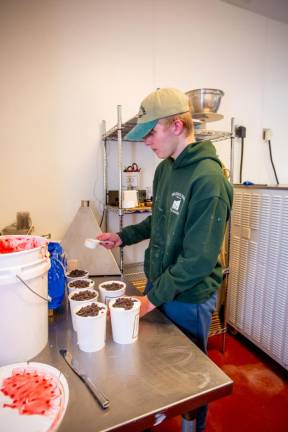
{"x": 186, "y": 119}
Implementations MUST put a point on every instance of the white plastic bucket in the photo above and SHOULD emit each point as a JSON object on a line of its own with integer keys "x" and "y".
{"x": 75, "y": 304}
{"x": 91, "y": 330}
{"x": 71, "y": 288}
{"x": 106, "y": 295}
{"x": 125, "y": 323}
{"x": 23, "y": 315}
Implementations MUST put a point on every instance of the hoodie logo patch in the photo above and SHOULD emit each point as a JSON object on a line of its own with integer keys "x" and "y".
{"x": 177, "y": 204}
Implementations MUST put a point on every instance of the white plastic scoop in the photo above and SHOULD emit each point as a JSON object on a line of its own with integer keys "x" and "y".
{"x": 92, "y": 243}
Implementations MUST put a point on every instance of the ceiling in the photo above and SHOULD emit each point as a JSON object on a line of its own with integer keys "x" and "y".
{"x": 274, "y": 9}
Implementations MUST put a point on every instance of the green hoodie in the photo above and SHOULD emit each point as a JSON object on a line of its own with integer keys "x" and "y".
{"x": 191, "y": 205}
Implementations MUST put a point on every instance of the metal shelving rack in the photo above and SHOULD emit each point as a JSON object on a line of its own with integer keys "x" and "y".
{"x": 116, "y": 133}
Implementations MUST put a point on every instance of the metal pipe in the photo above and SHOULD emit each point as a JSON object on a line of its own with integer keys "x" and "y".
{"x": 188, "y": 425}
{"x": 119, "y": 136}
{"x": 105, "y": 191}
{"x": 85, "y": 203}
{"x": 120, "y": 167}
{"x": 232, "y": 155}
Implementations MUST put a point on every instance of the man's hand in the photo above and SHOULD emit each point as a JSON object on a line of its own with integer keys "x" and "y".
{"x": 111, "y": 237}
{"x": 146, "y": 305}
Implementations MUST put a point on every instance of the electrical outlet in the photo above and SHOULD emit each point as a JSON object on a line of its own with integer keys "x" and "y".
{"x": 240, "y": 131}
{"x": 267, "y": 134}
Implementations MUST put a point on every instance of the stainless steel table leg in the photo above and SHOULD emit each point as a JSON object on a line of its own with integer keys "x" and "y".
{"x": 188, "y": 425}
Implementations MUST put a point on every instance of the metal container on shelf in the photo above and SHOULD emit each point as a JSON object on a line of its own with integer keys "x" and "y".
{"x": 205, "y": 100}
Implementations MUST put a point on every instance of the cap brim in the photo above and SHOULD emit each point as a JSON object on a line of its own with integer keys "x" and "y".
{"x": 140, "y": 131}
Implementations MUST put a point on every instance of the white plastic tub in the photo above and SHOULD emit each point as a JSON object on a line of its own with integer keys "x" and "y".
{"x": 125, "y": 322}
{"x": 106, "y": 294}
{"x": 24, "y": 314}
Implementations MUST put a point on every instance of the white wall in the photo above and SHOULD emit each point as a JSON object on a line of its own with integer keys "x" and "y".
{"x": 65, "y": 65}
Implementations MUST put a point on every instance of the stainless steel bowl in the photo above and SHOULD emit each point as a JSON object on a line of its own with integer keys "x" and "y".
{"x": 205, "y": 100}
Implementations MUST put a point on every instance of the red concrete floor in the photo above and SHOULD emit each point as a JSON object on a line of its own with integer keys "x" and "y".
{"x": 259, "y": 402}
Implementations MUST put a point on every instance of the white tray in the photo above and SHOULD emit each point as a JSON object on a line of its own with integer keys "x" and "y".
{"x": 36, "y": 398}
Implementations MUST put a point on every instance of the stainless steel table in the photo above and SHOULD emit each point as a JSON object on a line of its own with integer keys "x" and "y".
{"x": 162, "y": 374}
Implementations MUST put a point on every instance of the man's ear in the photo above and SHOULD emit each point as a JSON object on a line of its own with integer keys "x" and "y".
{"x": 178, "y": 127}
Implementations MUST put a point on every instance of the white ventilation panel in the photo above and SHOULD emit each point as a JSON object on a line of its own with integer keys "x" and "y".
{"x": 258, "y": 287}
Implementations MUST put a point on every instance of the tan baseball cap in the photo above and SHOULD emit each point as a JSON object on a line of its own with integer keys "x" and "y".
{"x": 161, "y": 103}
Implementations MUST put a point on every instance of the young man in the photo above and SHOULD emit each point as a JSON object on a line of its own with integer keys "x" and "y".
{"x": 191, "y": 205}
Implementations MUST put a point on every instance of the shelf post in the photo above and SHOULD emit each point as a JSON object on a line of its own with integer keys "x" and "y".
{"x": 232, "y": 139}
{"x": 105, "y": 180}
{"x": 120, "y": 167}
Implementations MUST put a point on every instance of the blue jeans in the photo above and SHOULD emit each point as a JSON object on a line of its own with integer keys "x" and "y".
{"x": 194, "y": 320}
